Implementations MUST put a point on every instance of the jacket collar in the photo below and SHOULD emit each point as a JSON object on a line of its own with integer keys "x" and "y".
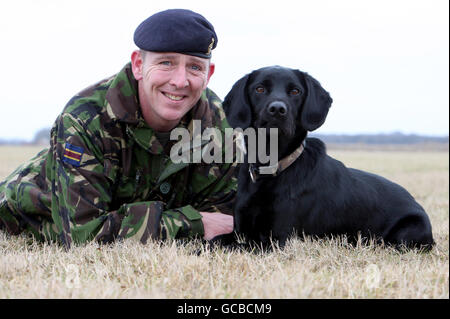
{"x": 122, "y": 97}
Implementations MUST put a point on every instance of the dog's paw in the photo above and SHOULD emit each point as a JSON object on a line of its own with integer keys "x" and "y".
{"x": 224, "y": 240}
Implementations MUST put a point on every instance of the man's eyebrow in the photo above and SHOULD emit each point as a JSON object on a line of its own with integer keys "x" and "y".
{"x": 194, "y": 59}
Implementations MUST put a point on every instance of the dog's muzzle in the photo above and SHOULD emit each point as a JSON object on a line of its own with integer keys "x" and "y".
{"x": 277, "y": 115}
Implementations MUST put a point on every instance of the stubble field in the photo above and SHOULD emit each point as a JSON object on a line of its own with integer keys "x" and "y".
{"x": 303, "y": 269}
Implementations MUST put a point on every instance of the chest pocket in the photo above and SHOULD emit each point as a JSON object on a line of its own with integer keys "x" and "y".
{"x": 142, "y": 181}
{"x": 130, "y": 188}
{"x": 135, "y": 182}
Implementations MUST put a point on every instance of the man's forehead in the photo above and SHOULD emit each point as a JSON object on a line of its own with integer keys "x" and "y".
{"x": 176, "y": 55}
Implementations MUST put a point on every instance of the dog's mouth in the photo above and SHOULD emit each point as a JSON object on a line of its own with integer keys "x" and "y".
{"x": 284, "y": 126}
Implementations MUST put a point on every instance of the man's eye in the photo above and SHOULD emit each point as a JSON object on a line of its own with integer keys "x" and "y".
{"x": 165, "y": 62}
{"x": 196, "y": 68}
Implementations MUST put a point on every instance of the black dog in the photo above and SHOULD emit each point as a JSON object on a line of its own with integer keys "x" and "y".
{"x": 310, "y": 193}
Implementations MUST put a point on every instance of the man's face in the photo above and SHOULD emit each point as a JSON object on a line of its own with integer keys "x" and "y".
{"x": 170, "y": 84}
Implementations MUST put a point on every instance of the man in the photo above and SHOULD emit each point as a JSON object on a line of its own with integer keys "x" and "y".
{"x": 107, "y": 174}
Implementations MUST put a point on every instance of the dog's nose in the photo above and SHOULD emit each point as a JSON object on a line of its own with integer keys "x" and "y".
{"x": 277, "y": 108}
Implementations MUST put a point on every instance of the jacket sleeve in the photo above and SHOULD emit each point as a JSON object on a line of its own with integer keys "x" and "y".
{"x": 83, "y": 174}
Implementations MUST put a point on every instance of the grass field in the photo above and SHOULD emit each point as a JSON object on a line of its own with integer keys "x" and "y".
{"x": 304, "y": 269}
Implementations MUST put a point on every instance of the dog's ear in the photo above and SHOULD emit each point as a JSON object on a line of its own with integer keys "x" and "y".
{"x": 237, "y": 106}
{"x": 316, "y": 104}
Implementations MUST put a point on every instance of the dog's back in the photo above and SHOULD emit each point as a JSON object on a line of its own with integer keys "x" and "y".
{"x": 355, "y": 202}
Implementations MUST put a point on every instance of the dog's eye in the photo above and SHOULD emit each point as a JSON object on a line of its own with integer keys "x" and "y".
{"x": 260, "y": 89}
{"x": 294, "y": 92}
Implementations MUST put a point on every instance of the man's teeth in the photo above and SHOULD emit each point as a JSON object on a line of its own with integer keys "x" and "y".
{"x": 173, "y": 97}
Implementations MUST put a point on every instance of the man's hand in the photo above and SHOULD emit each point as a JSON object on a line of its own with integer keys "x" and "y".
{"x": 216, "y": 224}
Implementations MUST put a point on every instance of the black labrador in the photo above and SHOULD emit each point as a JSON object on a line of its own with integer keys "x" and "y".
{"x": 310, "y": 193}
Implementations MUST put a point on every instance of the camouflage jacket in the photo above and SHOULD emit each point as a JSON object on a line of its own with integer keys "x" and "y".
{"x": 106, "y": 176}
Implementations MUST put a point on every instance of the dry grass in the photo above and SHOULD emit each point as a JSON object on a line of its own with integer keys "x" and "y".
{"x": 304, "y": 269}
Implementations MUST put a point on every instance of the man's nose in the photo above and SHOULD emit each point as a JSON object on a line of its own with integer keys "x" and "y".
{"x": 179, "y": 77}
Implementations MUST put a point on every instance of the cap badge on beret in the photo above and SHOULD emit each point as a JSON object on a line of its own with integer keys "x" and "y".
{"x": 210, "y": 46}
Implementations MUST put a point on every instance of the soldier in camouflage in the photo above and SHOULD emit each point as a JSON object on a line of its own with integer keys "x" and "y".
{"x": 107, "y": 174}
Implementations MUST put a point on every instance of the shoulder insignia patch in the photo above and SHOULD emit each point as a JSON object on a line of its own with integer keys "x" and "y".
{"x": 72, "y": 154}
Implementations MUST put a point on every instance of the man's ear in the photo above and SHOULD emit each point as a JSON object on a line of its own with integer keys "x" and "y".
{"x": 237, "y": 106}
{"x": 316, "y": 105}
{"x": 137, "y": 64}
{"x": 211, "y": 70}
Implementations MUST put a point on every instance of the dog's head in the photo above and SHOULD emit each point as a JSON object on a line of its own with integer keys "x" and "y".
{"x": 277, "y": 97}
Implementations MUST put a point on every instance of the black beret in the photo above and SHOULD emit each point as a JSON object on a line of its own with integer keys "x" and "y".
{"x": 176, "y": 30}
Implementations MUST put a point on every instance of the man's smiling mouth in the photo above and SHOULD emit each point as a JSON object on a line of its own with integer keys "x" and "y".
{"x": 174, "y": 97}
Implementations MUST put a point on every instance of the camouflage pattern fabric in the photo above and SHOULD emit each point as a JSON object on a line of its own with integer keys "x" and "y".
{"x": 106, "y": 176}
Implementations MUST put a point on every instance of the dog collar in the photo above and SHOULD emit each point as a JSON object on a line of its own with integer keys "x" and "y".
{"x": 280, "y": 166}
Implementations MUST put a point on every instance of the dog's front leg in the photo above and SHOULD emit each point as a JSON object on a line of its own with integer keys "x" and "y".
{"x": 224, "y": 240}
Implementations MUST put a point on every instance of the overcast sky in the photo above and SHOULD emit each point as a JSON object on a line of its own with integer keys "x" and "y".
{"x": 384, "y": 62}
